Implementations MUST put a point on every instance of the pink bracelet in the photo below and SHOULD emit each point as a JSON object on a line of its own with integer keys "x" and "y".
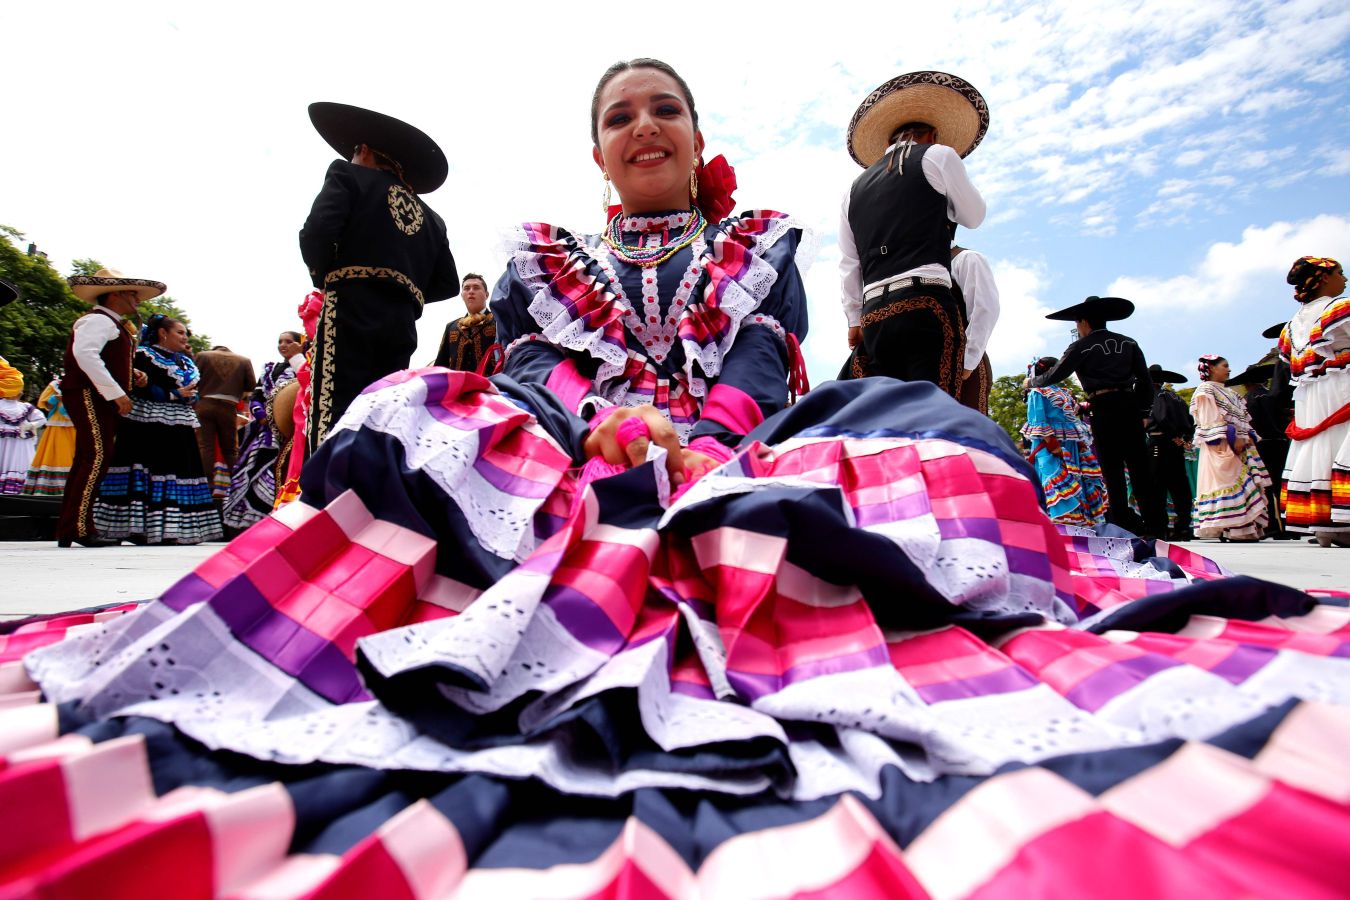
{"x": 631, "y": 429}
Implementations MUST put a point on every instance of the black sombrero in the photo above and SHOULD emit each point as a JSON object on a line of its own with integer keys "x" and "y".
{"x": 1258, "y": 373}
{"x": 948, "y": 103}
{"x": 1273, "y": 332}
{"x": 344, "y": 127}
{"x": 1159, "y": 375}
{"x": 8, "y": 293}
{"x": 1105, "y": 309}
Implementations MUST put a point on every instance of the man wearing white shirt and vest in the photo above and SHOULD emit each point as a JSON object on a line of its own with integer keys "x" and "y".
{"x": 973, "y": 283}
{"x": 895, "y": 228}
{"x": 94, "y": 385}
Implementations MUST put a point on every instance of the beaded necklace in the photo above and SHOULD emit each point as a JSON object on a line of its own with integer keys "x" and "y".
{"x": 657, "y": 333}
{"x": 650, "y": 256}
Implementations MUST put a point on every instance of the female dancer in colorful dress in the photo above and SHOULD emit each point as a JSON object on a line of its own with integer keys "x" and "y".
{"x": 56, "y": 449}
{"x": 155, "y": 492}
{"x": 1230, "y": 500}
{"x": 490, "y": 653}
{"x": 253, "y": 485}
{"x": 1061, "y": 451}
{"x": 1316, "y": 345}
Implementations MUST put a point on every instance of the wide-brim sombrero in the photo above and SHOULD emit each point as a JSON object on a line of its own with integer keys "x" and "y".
{"x": 1159, "y": 375}
{"x": 8, "y": 292}
{"x": 1258, "y": 373}
{"x": 1273, "y": 332}
{"x": 948, "y": 103}
{"x": 1104, "y": 309}
{"x": 345, "y": 127}
{"x": 90, "y": 287}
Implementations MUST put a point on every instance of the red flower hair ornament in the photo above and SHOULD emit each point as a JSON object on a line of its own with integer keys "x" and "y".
{"x": 716, "y": 186}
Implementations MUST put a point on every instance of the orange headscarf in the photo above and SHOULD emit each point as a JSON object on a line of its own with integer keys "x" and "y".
{"x": 11, "y": 381}
{"x": 1307, "y": 273}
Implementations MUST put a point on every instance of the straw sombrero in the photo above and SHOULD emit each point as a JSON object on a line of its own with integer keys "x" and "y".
{"x": 90, "y": 287}
{"x": 1106, "y": 309}
{"x": 344, "y": 127}
{"x": 948, "y": 103}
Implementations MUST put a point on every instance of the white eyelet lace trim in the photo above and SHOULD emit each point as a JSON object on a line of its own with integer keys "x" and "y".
{"x": 656, "y": 332}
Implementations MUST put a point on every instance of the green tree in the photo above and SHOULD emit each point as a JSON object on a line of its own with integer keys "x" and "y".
{"x": 1008, "y": 406}
{"x": 34, "y": 328}
{"x": 166, "y": 305}
{"x": 85, "y": 266}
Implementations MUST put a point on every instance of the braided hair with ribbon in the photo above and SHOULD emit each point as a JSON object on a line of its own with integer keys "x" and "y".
{"x": 1307, "y": 274}
{"x": 1207, "y": 364}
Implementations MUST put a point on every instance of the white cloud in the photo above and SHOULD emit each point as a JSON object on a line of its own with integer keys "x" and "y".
{"x": 1023, "y": 331}
{"x": 1251, "y": 270}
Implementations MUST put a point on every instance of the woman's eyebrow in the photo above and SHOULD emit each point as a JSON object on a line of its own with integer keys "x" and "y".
{"x": 620, "y": 104}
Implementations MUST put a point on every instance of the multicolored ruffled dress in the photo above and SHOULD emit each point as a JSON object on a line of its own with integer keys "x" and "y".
{"x": 857, "y": 659}
{"x": 155, "y": 491}
{"x": 1316, "y": 345}
{"x": 253, "y": 485}
{"x": 19, "y": 426}
{"x": 51, "y": 464}
{"x": 1230, "y": 498}
{"x": 1061, "y": 452}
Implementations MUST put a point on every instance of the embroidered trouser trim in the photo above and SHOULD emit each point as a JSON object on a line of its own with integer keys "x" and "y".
{"x": 915, "y": 334}
{"x": 367, "y": 330}
{"x": 95, "y": 421}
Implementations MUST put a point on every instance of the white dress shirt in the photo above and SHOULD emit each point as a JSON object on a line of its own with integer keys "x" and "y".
{"x": 92, "y": 333}
{"x": 947, "y": 174}
{"x": 973, "y": 276}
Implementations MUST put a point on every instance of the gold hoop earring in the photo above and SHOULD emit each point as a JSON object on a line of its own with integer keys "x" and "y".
{"x": 693, "y": 183}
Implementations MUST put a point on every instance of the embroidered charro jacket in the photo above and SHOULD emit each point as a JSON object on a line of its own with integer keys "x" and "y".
{"x": 366, "y": 224}
{"x": 466, "y": 341}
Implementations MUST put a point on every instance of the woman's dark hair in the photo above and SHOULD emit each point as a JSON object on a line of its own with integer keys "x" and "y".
{"x": 1044, "y": 364}
{"x": 295, "y": 336}
{"x": 154, "y": 325}
{"x": 1207, "y": 364}
{"x": 641, "y": 62}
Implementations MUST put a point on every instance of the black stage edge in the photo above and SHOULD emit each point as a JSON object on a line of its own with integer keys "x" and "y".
{"x": 28, "y": 518}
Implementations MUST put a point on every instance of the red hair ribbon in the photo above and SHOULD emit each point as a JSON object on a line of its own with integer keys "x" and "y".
{"x": 798, "y": 383}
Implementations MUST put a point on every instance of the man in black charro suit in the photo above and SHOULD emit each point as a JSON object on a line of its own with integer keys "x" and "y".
{"x": 376, "y": 251}
{"x": 1115, "y": 376}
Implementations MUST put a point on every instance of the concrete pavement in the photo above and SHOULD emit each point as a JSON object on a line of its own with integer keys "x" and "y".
{"x": 46, "y": 579}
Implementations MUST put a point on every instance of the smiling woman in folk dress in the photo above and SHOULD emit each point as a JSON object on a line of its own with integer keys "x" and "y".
{"x": 622, "y": 622}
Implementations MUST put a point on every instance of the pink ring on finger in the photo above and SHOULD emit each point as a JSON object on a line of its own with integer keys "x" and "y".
{"x": 631, "y": 429}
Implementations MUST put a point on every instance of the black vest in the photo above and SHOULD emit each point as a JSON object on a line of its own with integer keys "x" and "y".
{"x": 899, "y": 221}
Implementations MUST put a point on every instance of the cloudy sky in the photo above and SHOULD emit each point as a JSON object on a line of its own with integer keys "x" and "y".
{"x": 1180, "y": 154}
